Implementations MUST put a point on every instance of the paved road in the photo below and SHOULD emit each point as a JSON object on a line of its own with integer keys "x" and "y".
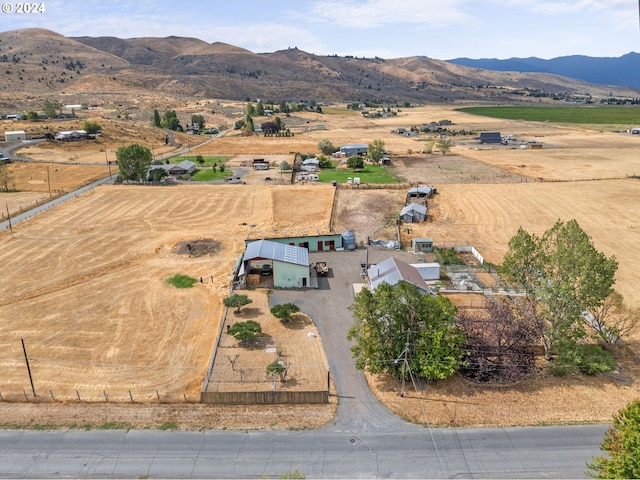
{"x": 549, "y": 452}
{"x": 359, "y": 410}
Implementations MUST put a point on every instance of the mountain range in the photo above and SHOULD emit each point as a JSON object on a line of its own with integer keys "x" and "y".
{"x": 39, "y": 63}
{"x": 622, "y": 71}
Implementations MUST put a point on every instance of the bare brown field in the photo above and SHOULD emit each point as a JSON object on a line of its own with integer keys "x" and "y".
{"x": 84, "y": 284}
{"x": 487, "y": 216}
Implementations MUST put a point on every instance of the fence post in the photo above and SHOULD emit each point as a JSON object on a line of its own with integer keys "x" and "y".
{"x": 106, "y": 397}
{"x": 25, "y": 395}
{"x": 78, "y": 395}
{"x": 51, "y": 392}
{"x": 130, "y": 396}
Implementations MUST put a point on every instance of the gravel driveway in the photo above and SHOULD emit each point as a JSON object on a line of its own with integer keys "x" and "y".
{"x": 358, "y": 410}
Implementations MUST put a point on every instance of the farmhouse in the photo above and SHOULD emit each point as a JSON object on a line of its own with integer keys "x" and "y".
{"x": 288, "y": 264}
{"x": 424, "y": 244}
{"x": 71, "y": 136}
{"x": 310, "y": 165}
{"x": 185, "y": 167}
{"x": 392, "y": 271}
{"x": 260, "y": 164}
{"x": 355, "y": 149}
{"x": 490, "y": 138}
{"x": 413, "y": 213}
{"x": 15, "y": 136}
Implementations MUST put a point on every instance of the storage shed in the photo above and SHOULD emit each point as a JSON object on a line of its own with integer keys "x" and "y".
{"x": 290, "y": 264}
{"x": 413, "y": 213}
{"x": 428, "y": 271}
{"x": 422, "y": 244}
{"x": 15, "y": 136}
{"x": 421, "y": 192}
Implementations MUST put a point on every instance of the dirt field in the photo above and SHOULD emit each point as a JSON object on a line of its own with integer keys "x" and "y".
{"x": 84, "y": 283}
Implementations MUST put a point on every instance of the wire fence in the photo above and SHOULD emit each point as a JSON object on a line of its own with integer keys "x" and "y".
{"x": 132, "y": 395}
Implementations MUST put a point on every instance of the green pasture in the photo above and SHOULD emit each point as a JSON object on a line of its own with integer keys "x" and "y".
{"x": 369, "y": 174}
{"x": 205, "y": 172}
{"x": 209, "y": 160}
{"x": 612, "y": 115}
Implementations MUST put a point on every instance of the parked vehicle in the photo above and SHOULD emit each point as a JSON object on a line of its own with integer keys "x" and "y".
{"x": 321, "y": 269}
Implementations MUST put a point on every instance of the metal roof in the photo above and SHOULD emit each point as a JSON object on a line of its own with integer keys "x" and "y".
{"x": 414, "y": 207}
{"x": 392, "y": 270}
{"x": 280, "y": 252}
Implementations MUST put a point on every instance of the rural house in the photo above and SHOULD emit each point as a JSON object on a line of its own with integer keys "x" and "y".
{"x": 310, "y": 165}
{"x": 71, "y": 136}
{"x": 490, "y": 138}
{"x": 392, "y": 271}
{"x": 185, "y": 167}
{"x": 288, "y": 264}
{"x": 355, "y": 149}
{"x": 413, "y": 213}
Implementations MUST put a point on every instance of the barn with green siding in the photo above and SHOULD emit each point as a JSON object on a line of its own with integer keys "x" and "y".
{"x": 289, "y": 263}
{"x": 313, "y": 243}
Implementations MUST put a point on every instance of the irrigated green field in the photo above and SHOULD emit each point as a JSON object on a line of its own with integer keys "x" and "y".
{"x": 623, "y": 115}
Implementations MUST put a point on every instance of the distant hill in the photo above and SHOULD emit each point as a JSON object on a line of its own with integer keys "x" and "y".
{"x": 622, "y": 71}
{"x": 38, "y": 63}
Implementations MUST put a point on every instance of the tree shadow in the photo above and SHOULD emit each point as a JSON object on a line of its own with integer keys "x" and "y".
{"x": 298, "y": 321}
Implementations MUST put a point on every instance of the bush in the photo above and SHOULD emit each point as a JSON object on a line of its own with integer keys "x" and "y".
{"x": 182, "y": 281}
{"x": 586, "y": 359}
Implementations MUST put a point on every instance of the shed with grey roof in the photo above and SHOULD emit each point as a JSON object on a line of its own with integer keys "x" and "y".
{"x": 290, "y": 264}
{"x": 413, "y": 213}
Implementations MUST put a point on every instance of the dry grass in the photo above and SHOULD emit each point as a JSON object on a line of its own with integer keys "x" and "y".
{"x": 85, "y": 281}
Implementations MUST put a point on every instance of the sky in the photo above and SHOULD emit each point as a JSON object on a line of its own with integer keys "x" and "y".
{"x": 440, "y": 29}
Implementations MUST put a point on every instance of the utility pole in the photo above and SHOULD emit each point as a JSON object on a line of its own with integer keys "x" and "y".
{"x": 405, "y": 365}
{"x": 26, "y": 359}
{"x": 9, "y": 218}
{"x": 49, "y": 180}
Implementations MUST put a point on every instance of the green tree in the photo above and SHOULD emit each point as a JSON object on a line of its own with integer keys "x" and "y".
{"x": 250, "y": 109}
{"x": 279, "y": 123}
{"x": 284, "y": 311}
{"x": 170, "y": 120}
{"x": 134, "y": 162}
{"x": 197, "y": 120}
{"x": 248, "y": 127}
{"x": 236, "y": 301}
{"x": 260, "y": 108}
{"x": 622, "y": 446}
{"x": 244, "y": 331}
{"x": 375, "y": 150}
{"x": 391, "y": 319}
{"x": 32, "y": 115}
{"x": 92, "y": 127}
{"x": 157, "y": 174}
{"x": 355, "y": 163}
{"x": 277, "y": 368}
{"x": 444, "y": 145}
{"x": 326, "y": 147}
{"x": 563, "y": 275}
{"x": 156, "y": 119}
{"x": 6, "y": 177}
{"x": 51, "y": 108}
{"x": 200, "y": 160}
{"x": 284, "y": 165}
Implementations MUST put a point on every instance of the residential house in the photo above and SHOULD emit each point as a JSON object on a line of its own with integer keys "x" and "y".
{"x": 392, "y": 271}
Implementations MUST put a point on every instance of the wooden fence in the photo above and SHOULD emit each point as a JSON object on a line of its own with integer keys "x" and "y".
{"x": 264, "y": 398}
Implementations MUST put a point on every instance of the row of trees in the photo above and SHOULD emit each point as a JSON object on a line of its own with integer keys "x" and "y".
{"x": 564, "y": 277}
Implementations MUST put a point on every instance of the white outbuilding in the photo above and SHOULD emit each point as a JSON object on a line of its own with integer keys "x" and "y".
{"x": 15, "y": 136}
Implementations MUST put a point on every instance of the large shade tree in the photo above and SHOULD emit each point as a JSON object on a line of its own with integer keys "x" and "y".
{"x": 394, "y": 320}
{"x": 563, "y": 276}
{"x": 134, "y": 162}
